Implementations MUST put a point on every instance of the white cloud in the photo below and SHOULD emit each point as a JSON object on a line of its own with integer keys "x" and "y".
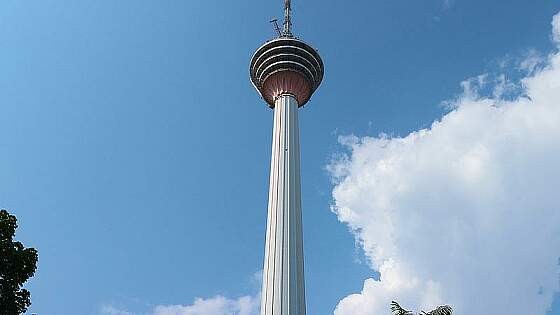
{"x": 556, "y": 29}
{"x": 466, "y": 212}
{"x": 532, "y": 61}
{"x": 219, "y": 305}
{"x": 111, "y": 310}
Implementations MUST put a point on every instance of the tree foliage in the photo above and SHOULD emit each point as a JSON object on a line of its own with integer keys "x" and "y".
{"x": 396, "y": 309}
{"x": 441, "y": 310}
{"x": 17, "y": 265}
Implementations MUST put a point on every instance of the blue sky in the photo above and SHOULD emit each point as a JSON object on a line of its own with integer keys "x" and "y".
{"x": 135, "y": 152}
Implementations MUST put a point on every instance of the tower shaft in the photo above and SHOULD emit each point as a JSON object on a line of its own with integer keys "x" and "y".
{"x": 283, "y": 290}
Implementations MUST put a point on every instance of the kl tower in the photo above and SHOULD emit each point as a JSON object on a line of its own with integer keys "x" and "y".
{"x": 285, "y": 71}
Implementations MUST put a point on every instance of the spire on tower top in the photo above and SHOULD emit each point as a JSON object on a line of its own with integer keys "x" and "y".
{"x": 287, "y": 18}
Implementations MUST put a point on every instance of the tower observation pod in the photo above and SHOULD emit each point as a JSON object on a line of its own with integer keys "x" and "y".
{"x": 285, "y": 71}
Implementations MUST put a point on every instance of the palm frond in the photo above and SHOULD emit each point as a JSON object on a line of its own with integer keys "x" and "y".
{"x": 398, "y": 310}
{"x": 441, "y": 310}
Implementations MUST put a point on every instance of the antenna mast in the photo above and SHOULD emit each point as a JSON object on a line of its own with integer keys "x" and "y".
{"x": 288, "y": 18}
{"x": 276, "y": 27}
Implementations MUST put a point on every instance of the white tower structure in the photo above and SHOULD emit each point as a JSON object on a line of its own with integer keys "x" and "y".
{"x": 286, "y": 71}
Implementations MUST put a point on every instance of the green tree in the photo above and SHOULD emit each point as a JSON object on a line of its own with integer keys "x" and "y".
{"x": 396, "y": 309}
{"x": 17, "y": 265}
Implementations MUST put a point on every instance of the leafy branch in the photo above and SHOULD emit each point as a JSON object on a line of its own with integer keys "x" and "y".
{"x": 396, "y": 309}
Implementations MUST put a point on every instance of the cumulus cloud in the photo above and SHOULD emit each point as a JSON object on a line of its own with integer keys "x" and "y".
{"x": 466, "y": 212}
{"x": 556, "y": 29}
{"x": 111, "y": 310}
{"x": 219, "y": 305}
{"x": 531, "y": 62}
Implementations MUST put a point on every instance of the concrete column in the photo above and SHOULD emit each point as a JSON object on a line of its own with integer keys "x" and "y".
{"x": 283, "y": 291}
